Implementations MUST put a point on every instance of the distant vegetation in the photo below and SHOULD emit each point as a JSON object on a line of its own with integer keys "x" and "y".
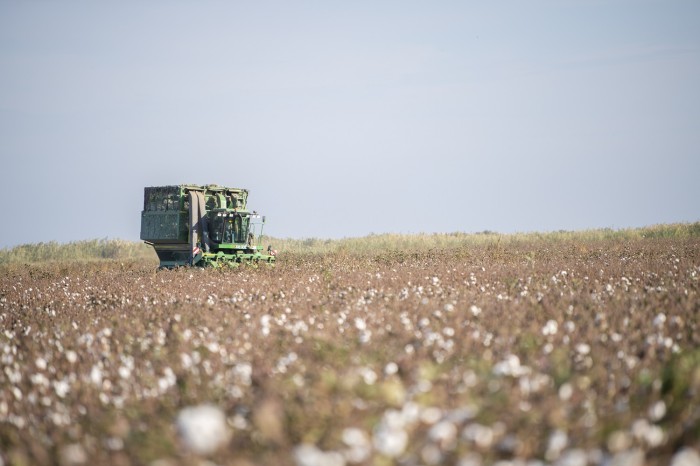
{"x": 88, "y": 250}
{"x": 429, "y": 241}
{"x": 115, "y": 249}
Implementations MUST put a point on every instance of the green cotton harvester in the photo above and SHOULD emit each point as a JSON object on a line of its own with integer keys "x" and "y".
{"x": 203, "y": 226}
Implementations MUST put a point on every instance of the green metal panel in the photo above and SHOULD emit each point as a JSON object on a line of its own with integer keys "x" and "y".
{"x": 162, "y": 198}
{"x": 164, "y": 226}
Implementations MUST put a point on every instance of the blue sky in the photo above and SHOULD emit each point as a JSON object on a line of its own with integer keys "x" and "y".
{"x": 350, "y": 118}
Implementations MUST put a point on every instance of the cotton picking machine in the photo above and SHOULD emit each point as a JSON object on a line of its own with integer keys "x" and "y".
{"x": 203, "y": 226}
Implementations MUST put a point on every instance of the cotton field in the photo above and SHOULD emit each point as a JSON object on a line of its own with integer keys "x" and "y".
{"x": 528, "y": 353}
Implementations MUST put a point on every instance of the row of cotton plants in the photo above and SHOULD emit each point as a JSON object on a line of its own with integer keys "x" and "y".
{"x": 571, "y": 354}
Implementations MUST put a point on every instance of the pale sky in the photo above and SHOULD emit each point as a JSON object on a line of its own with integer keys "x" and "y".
{"x": 348, "y": 118}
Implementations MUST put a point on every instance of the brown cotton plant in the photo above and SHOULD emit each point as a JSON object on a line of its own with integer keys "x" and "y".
{"x": 556, "y": 349}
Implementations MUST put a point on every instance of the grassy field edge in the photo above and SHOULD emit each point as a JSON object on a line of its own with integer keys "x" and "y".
{"x": 118, "y": 249}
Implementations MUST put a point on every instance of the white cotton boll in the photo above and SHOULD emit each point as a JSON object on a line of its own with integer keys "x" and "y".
{"x": 430, "y": 415}
{"x": 410, "y": 413}
{"x": 389, "y": 437}
{"x": 73, "y": 454}
{"x": 475, "y": 310}
{"x": 243, "y": 372}
{"x": 481, "y": 435}
{"x": 310, "y": 455}
{"x": 390, "y": 442}
{"x": 61, "y": 387}
{"x": 651, "y": 434}
{"x": 365, "y": 336}
{"x": 202, "y": 429}
{"x": 655, "y": 436}
{"x": 431, "y": 454}
{"x": 443, "y": 433}
{"x": 213, "y": 347}
{"x": 657, "y": 411}
{"x": 96, "y": 375}
{"x": 368, "y": 375}
{"x": 185, "y": 360}
{"x": 557, "y": 442}
{"x": 307, "y": 455}
{"x": 575, "y": 457}
{"x": 359, "y": 445}
{"x": 686, "y": 457}
{"x": 510, "y": 366}
{"x": 39, "y": 379}
{"x": 124, "y": 372}
{"x": 471, "y": 459}
{"x": 391, "y": 368}
{"x": 565, "y": 392}
{"x": 550, "y": 328}
{"x": 660, "y": 319}
{"x": 633, "y": 457}
{"x": 168, "y": 380}
{"x": 352, "y": 437}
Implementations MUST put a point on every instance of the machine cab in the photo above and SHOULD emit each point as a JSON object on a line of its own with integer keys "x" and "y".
{"x": 230, "y": 228}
